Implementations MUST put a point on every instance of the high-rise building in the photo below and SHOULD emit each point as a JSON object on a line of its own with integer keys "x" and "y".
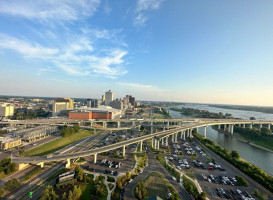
{"x": 61, "y": 106}
{"x": 103, "y": 98}
{"x": 131, "y": 99}
{"x": 6, "y": 110}
{"x": 117, "y": 104}
{"x": 89, "y": 103}
{"x": 109, "y": 96}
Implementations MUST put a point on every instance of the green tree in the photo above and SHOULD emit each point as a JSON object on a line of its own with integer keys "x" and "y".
{"x": 265, "y": 131}
{"x": 119, "y": 182}
{"x": 79, "y": 174}
{"x": 21, "y": 152}
{"x": 49, "y": 194}
{"x": 203, "y": 195}
{"x": 12, "y": 184}
{"x": 76, "y": 128}
{"x": 252, "y": 118}
{"x": 235, "y": 154}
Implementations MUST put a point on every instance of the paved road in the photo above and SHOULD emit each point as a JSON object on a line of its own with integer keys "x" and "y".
{"x": 232, "y": 171}
{"x": 203, "y": 122}
{"x": 153, "y": 165}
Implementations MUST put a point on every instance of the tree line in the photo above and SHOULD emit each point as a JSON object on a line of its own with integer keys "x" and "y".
{"x": 233, "y": 157}
{"x": 67, "y": 131}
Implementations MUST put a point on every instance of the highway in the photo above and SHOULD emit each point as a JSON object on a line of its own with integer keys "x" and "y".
{"x": 183, "y": 127}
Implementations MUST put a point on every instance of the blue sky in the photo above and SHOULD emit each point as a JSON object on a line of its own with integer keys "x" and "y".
{"x": 172, "y": 50}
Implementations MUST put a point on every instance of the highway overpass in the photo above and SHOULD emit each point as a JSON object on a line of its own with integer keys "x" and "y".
{"x": 184, "y": 129}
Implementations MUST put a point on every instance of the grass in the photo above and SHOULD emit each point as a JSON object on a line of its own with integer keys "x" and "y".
{"x": 34, "y": 172}
{"x": 190, "y": 173}
{"x": 142, "y": 160}
{"x": 190, "y": 187}
{"x": 56, "y": 145}
{"x": 157, "y": 185}
{"x": 172, "y": 171}
{"x": 54, "y": 176}
{"x": 159, "y": 116}
{"x": 86, "y": 190}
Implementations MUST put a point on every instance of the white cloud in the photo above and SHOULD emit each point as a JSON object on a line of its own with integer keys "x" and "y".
{"x": 145, "y": 6}
{"x": 33, "y": 50}
{"x": 142, "y": 87}
{"x": 50, "y": 10}
{"x": 77, "y": 55}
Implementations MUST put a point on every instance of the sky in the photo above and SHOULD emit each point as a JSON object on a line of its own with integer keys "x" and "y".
{"x": 167, "y": 50}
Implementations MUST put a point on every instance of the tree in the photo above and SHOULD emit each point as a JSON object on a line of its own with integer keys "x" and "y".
{"x": 21, "y": 152}
{"x": 49, "y": 194}
{"x": 235, "y": 154}
{"x": 252, "y": 118}
{"x": 119, "y": 182}
{"x": 12, "y": 184}
{"x": 79, "y": 173}
{"x": 203, "y": 195}
{"x": 265, "y": 131}
{"x": 76, "y": 128}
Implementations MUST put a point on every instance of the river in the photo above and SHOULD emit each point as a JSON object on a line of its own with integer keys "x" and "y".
{"x": 259, "y": 157}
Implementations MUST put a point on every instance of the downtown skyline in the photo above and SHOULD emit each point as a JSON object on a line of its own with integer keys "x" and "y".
{"x": 202, "y": 52}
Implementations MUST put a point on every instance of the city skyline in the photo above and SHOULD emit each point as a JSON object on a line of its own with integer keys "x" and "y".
{"x": 205, "y": 52}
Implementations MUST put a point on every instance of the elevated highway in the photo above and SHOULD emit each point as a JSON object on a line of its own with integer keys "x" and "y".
{"x": 184, "y": 129}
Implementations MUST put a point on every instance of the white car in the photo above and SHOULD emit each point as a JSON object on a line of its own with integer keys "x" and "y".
{"x": 50, "y": 156}
{"x": 174, "y": 179}
{"x": 179, "y": 168}
{"x": 168, "y": 195}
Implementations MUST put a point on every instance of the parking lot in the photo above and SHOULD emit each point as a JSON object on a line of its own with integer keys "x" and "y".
{"x": 215, "y": 178}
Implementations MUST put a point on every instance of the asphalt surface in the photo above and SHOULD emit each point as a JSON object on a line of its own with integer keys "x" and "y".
{"x": 183, "y": 127}
{"x": 153, "y": 165}
{"x": 230, "y": 171}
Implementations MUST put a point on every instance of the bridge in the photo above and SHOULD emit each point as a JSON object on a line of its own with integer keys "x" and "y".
{"x": 182, "y": 127}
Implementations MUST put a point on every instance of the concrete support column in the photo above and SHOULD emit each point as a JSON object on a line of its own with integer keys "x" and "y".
{"x": 260, "y": 126}
{"x": 139, "y": 127}
{"x": 184, "y": 135}
{"x": 162, "y": 141}
{"x": 164, "y": 128}
{"x": 167, "y": 140}
{"x": 172, "y": 137}
{"x": 219, "y": 126}
{"x": 250, "y": 126}
{"x": 158, "y": 143}
{"x": 152, "y": 123}
{"x": 197, "y": 129}
{"x": 225, "y": 127}
{"x": 104, "y": 124}
{"x": 239, "y": 125}
{"x": 152, "y": 142}
{"x": 205, "y": 131}
{"x": 95, "y": 158}
{"x": 168, "y": 123}
{"x": 133, "y": 123}
{"x": 118, "y": 124}
{"x": 42, "y": 164}
{"x": 232, "y": 127}
{"x": 190, "y": 133}
{"x": 152, "y": 130}
{"x": 181, "y": 135}
{"x": 141, "y": 143}
{"x": 268, "y": 126}
{"x": 175, "y": 139}
{"x": 229, "y": 128}
{"x": 244, "y": 125}
{"x": 124, "y": 151}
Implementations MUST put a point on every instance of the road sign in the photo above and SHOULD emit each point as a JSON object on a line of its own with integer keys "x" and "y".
{"x": 30, "y": 194}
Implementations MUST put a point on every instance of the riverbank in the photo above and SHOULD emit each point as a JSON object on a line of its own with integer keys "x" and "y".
{"x": 242, "y": 139}
{"x": 249, "y": 169}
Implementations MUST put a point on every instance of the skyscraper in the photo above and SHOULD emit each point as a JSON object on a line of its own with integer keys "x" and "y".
{"x": 62, "y": 105}
{"x": 109, "y": 96}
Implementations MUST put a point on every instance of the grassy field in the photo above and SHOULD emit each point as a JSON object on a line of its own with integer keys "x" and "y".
{"x": 157, "y": 185}
{"x": 159, "y": 116}
{"x": 86, "y": 190}
{"x": 265, "y": 141}
{"x": 55, "y": 145}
